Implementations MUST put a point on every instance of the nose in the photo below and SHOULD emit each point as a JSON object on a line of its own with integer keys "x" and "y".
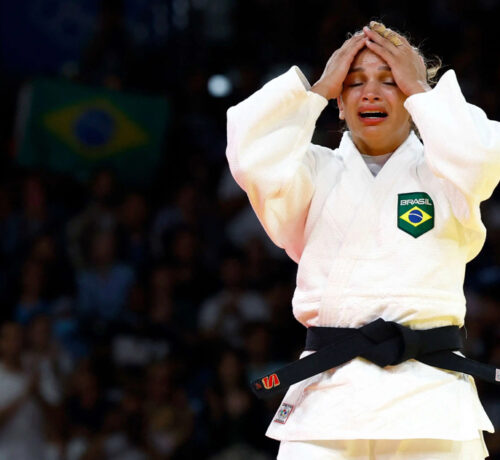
{"x": 371, "y": 92}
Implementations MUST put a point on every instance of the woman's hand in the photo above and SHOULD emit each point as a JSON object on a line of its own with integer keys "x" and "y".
{"x": 330, "y": 84}
{"x": 407, "y": 66}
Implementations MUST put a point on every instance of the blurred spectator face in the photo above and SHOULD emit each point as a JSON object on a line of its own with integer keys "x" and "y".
{"x": 103, "y": 187}
{"x": 32, "y": 278}
{"x": 87, "y": 388}
{"x": 255, "y": 251}
{"x": 134, "y": 211}
{"x": 33, "y": 196}
{"x": 237, "y": 402}
{"x": 137, "y": 299}
{"x": 161, "y": 311}
{"x": 131, "y": 402}
{"x": 230, "y": 369}
{"x": 163, "y": 279}
{"x": 39, "y": 333}
{"x": 232, "y": 272}
{"x": 185, "y": 246}
{"x": 258, "y": 342}
{"x": 159, "y": 382}
{"x": 44, "y": 249}
{"x": 11, "y": 341}
{"x": 187, "y": 199}
{"x": 102, "y": 249}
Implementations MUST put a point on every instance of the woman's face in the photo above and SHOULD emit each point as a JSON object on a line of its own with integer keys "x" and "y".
{"x": 369, "y": 87}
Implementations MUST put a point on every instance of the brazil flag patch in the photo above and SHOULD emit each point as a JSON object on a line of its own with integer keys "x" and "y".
{"x": 415, "y": 213}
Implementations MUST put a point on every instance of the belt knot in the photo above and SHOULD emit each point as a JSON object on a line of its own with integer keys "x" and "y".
{"x": 395, "y": 343}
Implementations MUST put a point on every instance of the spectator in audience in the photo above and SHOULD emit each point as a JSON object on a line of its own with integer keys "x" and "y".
{"x": 185, "y": 255}
{"x": 99, "y": 214}
{"x": 231, "y": 413}
{"x": 31, "y": 301}
{"x": 109, "y": 57}
{"x": 103, "y": 288}
{"x": 37, "y": 215}
{"x": 86, "y": 405}
{"x": 169, "y": 419}
{"x": 133, "y": 237}
{"x": 225, "y": 313}
{"x": 25, "y": 412}
{"x": 57, "y": 271}
{"x": 258, "y": 346}
{"x": 46, "y": 355}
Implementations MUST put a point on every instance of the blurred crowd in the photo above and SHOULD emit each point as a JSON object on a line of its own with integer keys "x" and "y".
{"x": 133, "y": 319}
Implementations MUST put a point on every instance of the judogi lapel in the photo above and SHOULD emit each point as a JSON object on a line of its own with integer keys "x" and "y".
{"x": 366, "y": 196}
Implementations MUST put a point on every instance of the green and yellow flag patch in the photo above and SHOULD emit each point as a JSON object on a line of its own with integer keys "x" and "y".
{"x": 415, "y": 213}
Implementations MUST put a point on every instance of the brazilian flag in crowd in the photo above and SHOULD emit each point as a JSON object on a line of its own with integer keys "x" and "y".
{"x": 75, "y": 129}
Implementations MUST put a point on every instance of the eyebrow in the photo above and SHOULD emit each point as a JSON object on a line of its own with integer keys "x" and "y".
{"x": 362, "y": 69}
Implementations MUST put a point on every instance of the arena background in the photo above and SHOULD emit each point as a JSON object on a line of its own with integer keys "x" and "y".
{"x": 135, "y": 282}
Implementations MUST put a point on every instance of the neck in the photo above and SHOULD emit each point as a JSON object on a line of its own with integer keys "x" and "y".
{"x": 381, "y": 147}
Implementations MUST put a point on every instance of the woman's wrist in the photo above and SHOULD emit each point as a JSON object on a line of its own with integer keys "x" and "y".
{"x": 419, "y": 87}
{"x": 320, "y": 89}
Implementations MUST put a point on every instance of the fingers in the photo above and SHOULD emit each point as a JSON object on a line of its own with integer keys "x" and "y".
{"x": 379, "y": 46}
{"x": 356, "y": 43}
{"x": 392, "y": 36}
{"x": 383, "y": 36}
{"x": 350, "y": 48}
{"x": 375, "y": 37}
{"x": 355, "y": 47}
{"x": 381, "y": 51}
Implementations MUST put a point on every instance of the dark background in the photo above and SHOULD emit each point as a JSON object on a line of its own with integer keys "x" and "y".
{"x": 193, "y": 299}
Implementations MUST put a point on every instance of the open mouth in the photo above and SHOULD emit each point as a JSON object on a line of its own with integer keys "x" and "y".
{"x": 370, "y": 114}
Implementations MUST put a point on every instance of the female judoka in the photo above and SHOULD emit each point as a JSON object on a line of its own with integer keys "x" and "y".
{"x": 380, "y": 227}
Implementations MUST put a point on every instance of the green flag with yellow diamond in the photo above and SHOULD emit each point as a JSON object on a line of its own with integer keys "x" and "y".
{"x": 415, "y": 213}
{"x": 75, "y": 129}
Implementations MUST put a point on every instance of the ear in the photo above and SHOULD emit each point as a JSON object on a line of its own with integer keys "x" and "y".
{"x": 340, "y": 104}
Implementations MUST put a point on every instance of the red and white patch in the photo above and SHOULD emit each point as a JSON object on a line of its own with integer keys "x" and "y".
{"x": 283, "y": 413}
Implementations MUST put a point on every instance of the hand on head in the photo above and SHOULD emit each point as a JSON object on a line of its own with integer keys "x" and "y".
{"x": 407, "y": 65}
{"x": 330, "y": 83}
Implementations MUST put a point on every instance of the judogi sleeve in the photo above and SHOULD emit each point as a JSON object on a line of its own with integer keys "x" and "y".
{"x": 269, "y": 155}
{"x": 461, "y": 145}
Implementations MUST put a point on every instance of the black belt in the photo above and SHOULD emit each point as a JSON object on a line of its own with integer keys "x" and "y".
{"x": 383, "y": 343}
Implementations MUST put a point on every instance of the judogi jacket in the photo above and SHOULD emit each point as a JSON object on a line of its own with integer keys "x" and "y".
{"x": 392, "y": 246}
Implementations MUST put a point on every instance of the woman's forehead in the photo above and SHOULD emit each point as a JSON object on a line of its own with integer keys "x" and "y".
{"x": 367, "y": 59}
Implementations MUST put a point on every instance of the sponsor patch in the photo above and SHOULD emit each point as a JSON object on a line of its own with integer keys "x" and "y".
{"x": 497, "y": 375}
{"x": 270, "y": 381}
{"x": 415, "y": 213}
{"x": 283, "y": 413}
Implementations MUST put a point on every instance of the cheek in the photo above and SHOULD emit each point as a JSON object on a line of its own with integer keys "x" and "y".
{"x": 350, "y": 106}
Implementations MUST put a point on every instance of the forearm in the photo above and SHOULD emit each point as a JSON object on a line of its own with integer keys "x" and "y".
{"x": 461, "y": 144}
{"x": 269, "y": 140}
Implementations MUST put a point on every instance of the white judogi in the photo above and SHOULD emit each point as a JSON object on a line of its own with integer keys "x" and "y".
{"x": 339, "y": 223}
